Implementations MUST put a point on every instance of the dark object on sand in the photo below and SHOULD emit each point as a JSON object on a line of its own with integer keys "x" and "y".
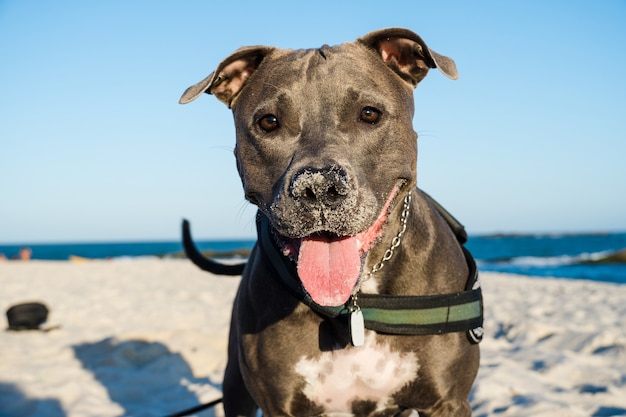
{"x": 27, "y": 316}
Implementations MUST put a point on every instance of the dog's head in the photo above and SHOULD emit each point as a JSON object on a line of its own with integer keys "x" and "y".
{"x": 325, "y": 144}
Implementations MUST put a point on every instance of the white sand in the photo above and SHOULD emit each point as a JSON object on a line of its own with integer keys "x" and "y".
{"x": 148, "y": 338}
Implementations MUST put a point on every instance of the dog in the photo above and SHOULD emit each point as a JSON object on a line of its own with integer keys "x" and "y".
{"x": 358, "y": 298}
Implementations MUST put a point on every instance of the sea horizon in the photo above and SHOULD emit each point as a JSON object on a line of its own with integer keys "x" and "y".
{"x": 253, "y": 238}
{"x": 562, "y": 255}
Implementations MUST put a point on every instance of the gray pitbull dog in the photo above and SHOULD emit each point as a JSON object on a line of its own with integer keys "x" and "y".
{"x": 322, "y": 321}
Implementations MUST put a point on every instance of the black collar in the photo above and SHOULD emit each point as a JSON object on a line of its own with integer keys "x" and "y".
{"x": 392, "y": 314}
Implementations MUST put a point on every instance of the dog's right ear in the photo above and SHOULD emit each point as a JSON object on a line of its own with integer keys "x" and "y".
{"x": 406, "y": 53}
{"x": 230, "y": 76}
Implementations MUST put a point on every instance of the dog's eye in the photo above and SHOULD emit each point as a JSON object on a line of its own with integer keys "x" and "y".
{"x": 370, "y": 115}
{"x": 269, "y": 123}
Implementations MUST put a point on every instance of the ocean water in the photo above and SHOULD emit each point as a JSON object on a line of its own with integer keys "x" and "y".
{"x": 561, "y": 256}
{"x": 63, "y": 251}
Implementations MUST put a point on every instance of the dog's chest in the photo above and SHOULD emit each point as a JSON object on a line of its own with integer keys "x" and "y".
{"x": 338, "y": 380}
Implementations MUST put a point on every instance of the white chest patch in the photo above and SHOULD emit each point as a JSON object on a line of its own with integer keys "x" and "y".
{"x": 372, "y": 372}
{"x": 369, "y": 286}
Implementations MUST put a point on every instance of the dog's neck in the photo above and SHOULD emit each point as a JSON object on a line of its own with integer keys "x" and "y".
{"x": 401, "y": 314}
{"x": 429, "y": 228}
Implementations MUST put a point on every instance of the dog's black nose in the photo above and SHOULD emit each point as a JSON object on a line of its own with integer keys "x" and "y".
{"x": 329, "y": 186}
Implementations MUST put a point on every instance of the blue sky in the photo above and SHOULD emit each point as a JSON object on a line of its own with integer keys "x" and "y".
{"x": 94, "y": 147}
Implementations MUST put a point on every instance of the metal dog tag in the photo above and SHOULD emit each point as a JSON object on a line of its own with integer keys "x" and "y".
{"x": 357, "y": 328}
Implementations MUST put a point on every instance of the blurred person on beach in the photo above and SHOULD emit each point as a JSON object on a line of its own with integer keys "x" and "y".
{"x": 24, "y": 255}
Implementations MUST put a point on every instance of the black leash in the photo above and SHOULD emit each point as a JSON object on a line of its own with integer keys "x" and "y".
{"x": 196, "y": 409}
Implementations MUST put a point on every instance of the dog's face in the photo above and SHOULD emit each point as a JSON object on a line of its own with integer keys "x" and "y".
{"x": 315, "y": 139}
{"x": 325, "y": 145}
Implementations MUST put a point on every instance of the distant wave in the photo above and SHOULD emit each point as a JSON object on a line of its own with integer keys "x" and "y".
{"x": 617, "y": 257}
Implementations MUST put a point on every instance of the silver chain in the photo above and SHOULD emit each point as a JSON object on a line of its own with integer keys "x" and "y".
{"x": 406, "y": 209}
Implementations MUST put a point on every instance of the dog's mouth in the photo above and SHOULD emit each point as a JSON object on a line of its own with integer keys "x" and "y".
{"x": 329, "y": 266}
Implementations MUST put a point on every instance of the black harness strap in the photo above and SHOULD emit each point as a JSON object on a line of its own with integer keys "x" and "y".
{"x": 402, "y": 315}
{"x": 455, "y": 225}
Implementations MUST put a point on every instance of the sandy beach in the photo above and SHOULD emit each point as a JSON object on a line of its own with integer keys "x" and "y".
{"x": 147, "y": 337}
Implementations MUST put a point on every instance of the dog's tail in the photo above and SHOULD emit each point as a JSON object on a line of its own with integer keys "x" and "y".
{"x": 203, "y": 263}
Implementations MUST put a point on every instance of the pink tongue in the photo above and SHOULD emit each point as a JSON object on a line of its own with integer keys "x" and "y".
{"x": 329, "y": 269}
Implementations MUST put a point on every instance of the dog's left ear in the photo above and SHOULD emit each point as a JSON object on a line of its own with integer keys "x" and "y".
{"x": 407, "y": 54}
{"x": 230, "y": 76}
